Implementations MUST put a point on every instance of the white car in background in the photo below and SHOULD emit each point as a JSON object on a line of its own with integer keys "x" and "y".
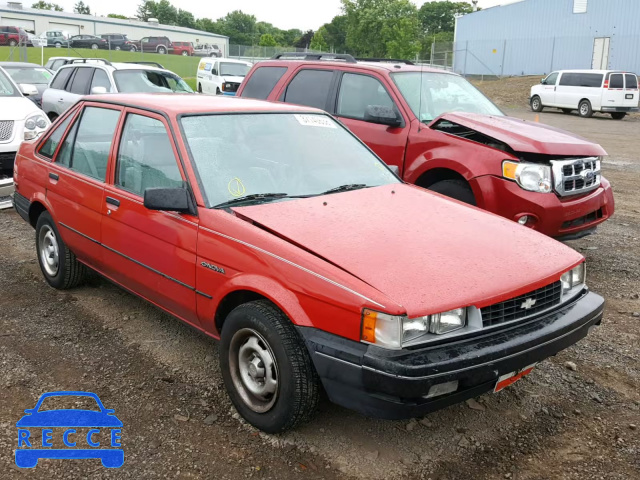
{"x": 221, "y": 76}
{"x": 587, "y": 91}
{"x": 20, "y": 119}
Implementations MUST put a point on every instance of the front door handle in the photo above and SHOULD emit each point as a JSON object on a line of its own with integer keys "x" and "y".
{"x": 113, "y": 201}
{"x": 54, "y": 176}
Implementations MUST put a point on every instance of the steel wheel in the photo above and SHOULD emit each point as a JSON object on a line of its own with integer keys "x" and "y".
{"x": 117, "y": 49}
{"x": 254, "y": 370}
{"x": 584, "y": 109}
{"x": 94, "y": 46}
{"x": 49, "y": 250}
{"x": 185, "y": 53}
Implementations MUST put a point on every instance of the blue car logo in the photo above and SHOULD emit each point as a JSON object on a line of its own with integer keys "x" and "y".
{"x": 97, "y": 429}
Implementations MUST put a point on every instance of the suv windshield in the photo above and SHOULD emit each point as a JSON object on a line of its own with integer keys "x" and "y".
{"x": 33, "y": 75}
{"x": 6, "y": 87}
{"x": 245, "y": 155}
{"x": 234, "y": 69}
{"x": 441, "y": 93}
{"x": 149, "y": 81}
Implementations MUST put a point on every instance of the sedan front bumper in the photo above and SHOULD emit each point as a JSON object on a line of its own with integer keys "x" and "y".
{"x": 394, "y": 384}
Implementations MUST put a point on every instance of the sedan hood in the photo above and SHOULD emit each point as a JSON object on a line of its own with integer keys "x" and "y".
{"x": 523, "y": 136}
{"x": 17, "y": 108}
{"x": 426, "y": 252}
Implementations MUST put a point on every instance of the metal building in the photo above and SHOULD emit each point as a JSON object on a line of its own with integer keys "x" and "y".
{"x": 38, "y": 21}
{"x": 534, "y": 37}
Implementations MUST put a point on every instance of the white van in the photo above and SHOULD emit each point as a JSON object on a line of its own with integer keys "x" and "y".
{"x": 587, "y": 91}
{"x": 221, "y": 75}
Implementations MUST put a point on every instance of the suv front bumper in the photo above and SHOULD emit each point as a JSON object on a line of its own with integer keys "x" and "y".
{"x": 394, "y": 384}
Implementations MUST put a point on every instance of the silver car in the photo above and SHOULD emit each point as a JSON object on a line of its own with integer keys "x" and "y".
{"x": 98, "y": 76}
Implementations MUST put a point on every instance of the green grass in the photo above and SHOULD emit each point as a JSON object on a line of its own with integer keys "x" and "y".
{"x": 183, "y": 66}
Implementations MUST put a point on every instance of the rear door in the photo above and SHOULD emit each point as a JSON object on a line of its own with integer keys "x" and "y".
{"x": 77, "y": 87}
{"x": 630, "y": 90}
{"x": 614, "y": 94}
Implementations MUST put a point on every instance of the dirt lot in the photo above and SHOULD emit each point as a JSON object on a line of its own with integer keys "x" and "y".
{"x": 162, "y": 378}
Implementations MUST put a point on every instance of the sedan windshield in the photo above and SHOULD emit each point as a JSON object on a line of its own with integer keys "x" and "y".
{"x": 229, "y": 69}
{"x": 149, "y": 81}
{"x": 271, "y": 156}
{"x": 441, "y": 93}
{"x": 32, "y": 75}
{"x": 6, "y": 86}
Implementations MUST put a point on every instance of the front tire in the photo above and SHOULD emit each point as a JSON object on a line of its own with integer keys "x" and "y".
{"x": 58, "y": 45}
{"x": 59, "y": 265}
{"x": 185, "y": 53}
{"x": 199, "y": 88}
{"x": 618, "y": 115}
{"x": 536, "y": 104}
{"x": 133, "y": 49}
{"x": 94, "y": 46}
{"x": 458, "y": 189}
{"x": 117, "y": 49}
{"x": 12, "y": 43}
{"x": 584, "y": 109}
{"x": 266, "y": 368}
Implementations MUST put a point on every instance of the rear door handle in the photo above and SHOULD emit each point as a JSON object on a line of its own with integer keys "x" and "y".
{"x": 113, "y": 201}
{"x": 54, "y": 176}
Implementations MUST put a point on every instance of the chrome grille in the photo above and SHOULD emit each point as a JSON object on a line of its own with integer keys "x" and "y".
{"x": 523, "y": 306}
{"x": 576, "y": 176}
{"x": 6, "y": 129}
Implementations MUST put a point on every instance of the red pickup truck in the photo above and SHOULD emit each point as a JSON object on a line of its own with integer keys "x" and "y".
{"x": 274, "y": 229}
{"x": 441, "y": 133}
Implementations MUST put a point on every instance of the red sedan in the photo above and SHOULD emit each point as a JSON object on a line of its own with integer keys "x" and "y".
{"x": 274, "y": 229}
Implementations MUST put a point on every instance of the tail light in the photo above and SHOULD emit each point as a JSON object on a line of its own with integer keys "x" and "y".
{"x": 606, "y": 84}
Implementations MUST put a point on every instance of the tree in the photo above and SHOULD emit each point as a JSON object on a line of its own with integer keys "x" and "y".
{"x": 289, "y": 37}
{"x": 318, "y": 41}
{"x": 115, "y": 15}
{"x": 42, "y": 5}
{"x": 185, "y": 19}
{"x": 166, "y": 13}
{"x": 440, "y": 16}
{"x": 146, "y": 10}
{"x": 267, "y": 40}
{"x": 80, "y": 7}
{"x": 335, "y": 34}
{"x": 239, "y": 27}
{"x": 305, "y": 40}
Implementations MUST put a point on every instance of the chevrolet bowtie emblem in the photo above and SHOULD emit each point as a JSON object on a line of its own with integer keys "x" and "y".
{"x": 528, "y": 303}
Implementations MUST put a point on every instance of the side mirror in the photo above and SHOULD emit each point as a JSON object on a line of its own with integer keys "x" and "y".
{"x": 543, "y": 81}
{"x": 168, "y": 199}
{"x": 214, "y": 72}
{"x": 98, "y": 90}
{"x": 395, "y": 169}
{"x": 27, "y": 89}
{"x": 382, "y": 115}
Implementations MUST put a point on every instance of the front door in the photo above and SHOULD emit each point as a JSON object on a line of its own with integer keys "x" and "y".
{"x": 548, "y": 93}
{"x": 150, "y": 252}
{"x": 601, "y": 53}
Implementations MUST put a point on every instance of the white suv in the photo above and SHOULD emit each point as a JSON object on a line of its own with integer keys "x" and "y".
{"x": 95, "y": 76}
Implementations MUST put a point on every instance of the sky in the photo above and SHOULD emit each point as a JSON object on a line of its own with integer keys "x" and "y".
{"x": 285, "y": 14}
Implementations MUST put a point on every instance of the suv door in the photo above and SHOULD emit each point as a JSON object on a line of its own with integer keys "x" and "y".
{"x": 356, "y": 92}
{"x": 150, "y": 252}
{"x": 145, "y": 44}
{"x": 311, "y": 87}
{"x": 77, "y": 87}
{"x": 54, "y": 96}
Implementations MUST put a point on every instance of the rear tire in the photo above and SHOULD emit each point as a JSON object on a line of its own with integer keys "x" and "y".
{"x": 133, "y": 49}
{"x": 117, "y": 49}
{"x": 12, "y": 43}
{"x": 266, "y": 368}
{"x": 618, "y": 115}
{"x": 454, "y": 188}
{"x": 185, "y": 53}
{"x": 567, "y": 111}
{"x": 584, "y": 109}
{"x": 94, "y": 46}
{"x": 536, "y": 104}
{"x": 58, "y": 45}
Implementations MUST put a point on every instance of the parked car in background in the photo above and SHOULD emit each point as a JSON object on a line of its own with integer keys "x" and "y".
{"x": 274, "y": 229}
{"x": 29, "y": 73}
{"x": 20, "y": 119}
{"x": 206, "y": 50}
{"x": 88, "y": 41}
{"x": 12, "y": 36}
{"x": 221, "y": 76}
{"x": 588, "y": 91}
{"x": 73, "y": 81}
{"x": 56, "y": 38}
{"x": 183, "y": 48}
{"x": 116, "y": 41}
{"x": 161, "y": 45}
{"x": 441, "y": 133}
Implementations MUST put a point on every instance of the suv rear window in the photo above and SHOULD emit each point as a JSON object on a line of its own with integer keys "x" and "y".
{"x": 310, "y": 88}
{"x": 61, "y": 78}
{"x": 632, "y": 81}
{"x": 262, "y": 82}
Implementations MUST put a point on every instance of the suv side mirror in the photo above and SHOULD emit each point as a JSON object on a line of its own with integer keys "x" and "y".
{"x": 543, "y": 81}
{"x": 382, "y": 115}
{"x": 169, "y": 199}
{"x": 214, "y": 72}
{"x": 27, "y": 89}
{"x": 98, "y": 90}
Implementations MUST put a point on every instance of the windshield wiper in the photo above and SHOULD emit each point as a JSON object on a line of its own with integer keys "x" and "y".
{"x": 248, "y": 198}
{"x": 345, "y": 188}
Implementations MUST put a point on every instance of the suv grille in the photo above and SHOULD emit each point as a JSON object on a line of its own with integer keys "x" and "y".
{"x": 576, "y": 176}
{"x": 6, "y": 129}
{"x": 516, "y": 308}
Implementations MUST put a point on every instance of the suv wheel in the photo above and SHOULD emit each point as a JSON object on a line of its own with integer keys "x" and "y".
{"x": 162, "y": 50}
{"x": 266, "y": 368}
{"x": 536, "y": 104}
{"x": 59, "y": 265}
{"x": 58, "y": 45}
{"x": 584, "y": 109}
{"x": 185, "y": 53}
{"x": 117, "y": 48}
{"x": 12, "y": 43}
{"x": 458, "y": 189}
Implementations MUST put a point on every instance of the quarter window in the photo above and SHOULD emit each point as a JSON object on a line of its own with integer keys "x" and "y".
{"x": 81, "y": 81}
{"x": 100, "y": 79}
{"x": 262, "y": 82}
{"x": 146, "y": 158}
{"x": 49, "y": 147}
{"x": 357, "y": 92}
{"x": 310, "y": 88}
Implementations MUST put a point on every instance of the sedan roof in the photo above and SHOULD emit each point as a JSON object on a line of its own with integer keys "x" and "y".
{"x": 19, "y": 64}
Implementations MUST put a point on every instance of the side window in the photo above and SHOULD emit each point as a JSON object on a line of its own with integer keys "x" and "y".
{"x": 61, "y": 78}
{"x": 551, "y": 79}
{"x": 80, "y": 82}
{"x": 145, "y": 157}
{"x": 310, "y": 88}
{"x": 569, "y": 79}
{"x": 616, "y": 81}
{"x": 262, "y": 82}
{"x": 100, "y": 79}
{"x": 49, "y": 147}
{"x": 631, "y": 81}
{"x": 357, "y": 92}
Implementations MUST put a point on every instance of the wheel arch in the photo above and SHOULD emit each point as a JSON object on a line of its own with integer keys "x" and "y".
{"x": 35, "y": 210}
{"x": 433, "y": 175}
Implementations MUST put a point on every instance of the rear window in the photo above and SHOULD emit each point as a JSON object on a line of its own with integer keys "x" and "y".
{"x": 581, "y": 79}
{"x": 262, "y": 82}
{"x": 632, "y": 81}
{"x": 616, "y": 81}
{"x": 80, "y": 82}
{"x": 61, "y": 78}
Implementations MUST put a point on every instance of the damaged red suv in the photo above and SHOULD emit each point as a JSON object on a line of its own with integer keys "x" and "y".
{"x": 441, "y": 133}
{"x": 274, "y": 229}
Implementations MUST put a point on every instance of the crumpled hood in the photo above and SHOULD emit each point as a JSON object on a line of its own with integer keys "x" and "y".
{"x": 424, "y": 251}
{"x": 524, "y": 136}
{"x": 17, "y": 108}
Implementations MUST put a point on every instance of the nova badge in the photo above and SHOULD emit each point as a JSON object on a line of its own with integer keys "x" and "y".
{"x": 528, "y": 303}
{"x": 215, "y": 268}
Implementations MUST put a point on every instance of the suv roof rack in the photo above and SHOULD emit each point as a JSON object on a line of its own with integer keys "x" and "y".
{"x": 315, "y": 56}
{"x": 153, "y": 64}
{"x": 385, "y": 60}
{"x": 84, "y": 60}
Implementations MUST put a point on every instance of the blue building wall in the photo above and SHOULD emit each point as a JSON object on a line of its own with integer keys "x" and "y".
{"x": 537, "y": 36}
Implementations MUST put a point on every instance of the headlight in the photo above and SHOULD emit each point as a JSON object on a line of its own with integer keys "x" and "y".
{"x": 34, "y": 126}
{"x": 574, "y": 280}
{"x": 394, "y": 331}
{"x": 530, "y": 176}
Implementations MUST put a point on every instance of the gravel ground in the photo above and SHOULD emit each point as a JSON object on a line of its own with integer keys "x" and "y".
{"x": 575, "y": 417}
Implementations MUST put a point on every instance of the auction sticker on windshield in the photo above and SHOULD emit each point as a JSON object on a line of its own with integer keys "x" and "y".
{"x": 510, "y": 378}
{"x": 315, "y": 121}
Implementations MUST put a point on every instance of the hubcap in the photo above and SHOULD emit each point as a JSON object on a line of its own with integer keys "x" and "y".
{"x": 584, "y": 109}
{"x": 49, "y": 253}
{"x": 535, "y": 103}
{"x": 254, "y": 370}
